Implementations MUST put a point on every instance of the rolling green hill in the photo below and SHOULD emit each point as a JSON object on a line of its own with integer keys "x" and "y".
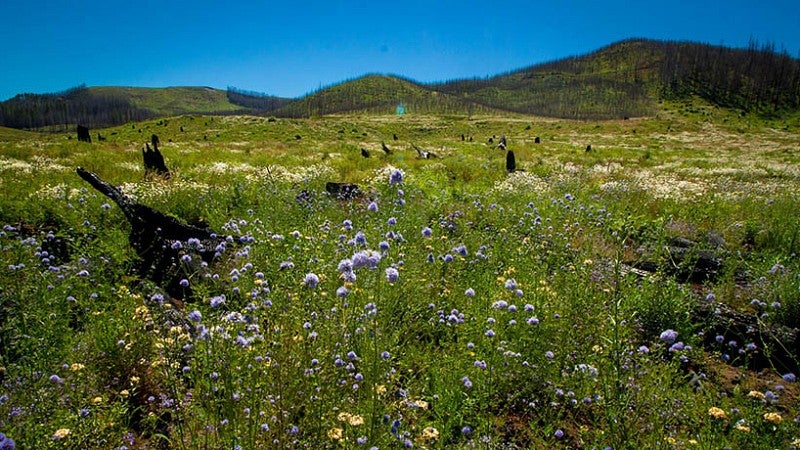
{"x": 380, "y": 94}
{"x": 628, "y": 79}
{"x": 173, "y": 101}
{"x": 625, "y": 79}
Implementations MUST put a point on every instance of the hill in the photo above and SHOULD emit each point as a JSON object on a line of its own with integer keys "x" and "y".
{"x": 377, "y": 93}
{"x": 625, "y": 79}
{"x": 628, "y": 79}
{"x": 107, "y": 106}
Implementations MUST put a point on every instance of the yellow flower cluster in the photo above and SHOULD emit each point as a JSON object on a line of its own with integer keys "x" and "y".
{"x": 335, "y": 434}
{"x": 773, "y": 417}
{"x": 353, "y": 419}
{"x": 61, "y": 433}
{"x": 756, "y": 395}
{"x": 717, "y": 413}
{"x": 430, "y": 434}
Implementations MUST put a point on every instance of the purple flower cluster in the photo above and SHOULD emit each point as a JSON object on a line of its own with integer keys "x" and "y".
{"x": 669, "y": 336}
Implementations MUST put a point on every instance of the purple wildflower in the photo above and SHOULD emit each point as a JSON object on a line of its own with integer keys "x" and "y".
{"x": 396, "y": 177}
{"x": 311, "y": 280}
{"x": 217, "y": 301}
{"x": 669, "y": 336}
{"x": 195, "y": 316}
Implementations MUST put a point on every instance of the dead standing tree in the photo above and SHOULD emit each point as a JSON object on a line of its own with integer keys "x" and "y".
{"x": 154, "y": 160}
{"x": 169, "y": 251}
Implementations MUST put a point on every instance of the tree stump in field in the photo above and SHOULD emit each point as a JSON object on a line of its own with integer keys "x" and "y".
{"x": 83, "y": 134}
{"x": 154, "y": 161}
{"x": 511, "y": 162}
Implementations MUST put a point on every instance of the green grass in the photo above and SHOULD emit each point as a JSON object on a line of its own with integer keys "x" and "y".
{"x": 174, "y": 101}
{"x": 510, "y": 326}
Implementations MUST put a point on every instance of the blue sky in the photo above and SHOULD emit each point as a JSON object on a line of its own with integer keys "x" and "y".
{"x": 292, "y": 48}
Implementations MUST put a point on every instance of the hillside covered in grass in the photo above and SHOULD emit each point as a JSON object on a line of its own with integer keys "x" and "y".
{"x": 626, "y": 79}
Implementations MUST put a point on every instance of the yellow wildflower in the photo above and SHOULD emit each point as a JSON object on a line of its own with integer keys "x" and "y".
{"x": 756, "y": 395}
{"x": 430, "y": 434}
{"x": 61, "y": 433}
{"x": 335, "y": 433}
{"x": 717, "y": 413}
{"x": 124, "y": 393}
{"x": 76, "y": 367}
{"x": 742, "y": 427}
{"x": 773, "y": 417}
{"x": 97, "y": 400}
{"x": 356, "y": 420}
{"x": 344, "y": 416}
{"x": 380, "y": 389}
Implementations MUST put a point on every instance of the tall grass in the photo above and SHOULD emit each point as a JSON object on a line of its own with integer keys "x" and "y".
{"x": 510, "y": 323}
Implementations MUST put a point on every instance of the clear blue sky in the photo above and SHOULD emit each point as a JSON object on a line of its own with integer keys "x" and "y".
{"x": 290, "y": 48}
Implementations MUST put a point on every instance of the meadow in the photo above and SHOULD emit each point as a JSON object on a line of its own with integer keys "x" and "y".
{"x": 453, "y": 306}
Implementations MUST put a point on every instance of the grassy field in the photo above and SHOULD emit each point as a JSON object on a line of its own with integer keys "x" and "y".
{"x": 453, "y": 306}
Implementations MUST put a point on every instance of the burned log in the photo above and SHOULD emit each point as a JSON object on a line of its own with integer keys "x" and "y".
{"x": 537, "y": 140}
{"x": 169, "y": 251}
{"x": 686, "y": 260}
{"x": 774, "y": 346}
{"x": 364, "y": 152}
{"x": 83, "y": 134}
{"x": 386, "y": 149}
{"x": 343, "y": 191}
{"x": 154, "y": 160}
{"x": 424, "y": 154}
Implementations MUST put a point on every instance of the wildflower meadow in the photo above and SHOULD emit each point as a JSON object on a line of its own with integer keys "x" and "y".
{"x": 453, "y": 305}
